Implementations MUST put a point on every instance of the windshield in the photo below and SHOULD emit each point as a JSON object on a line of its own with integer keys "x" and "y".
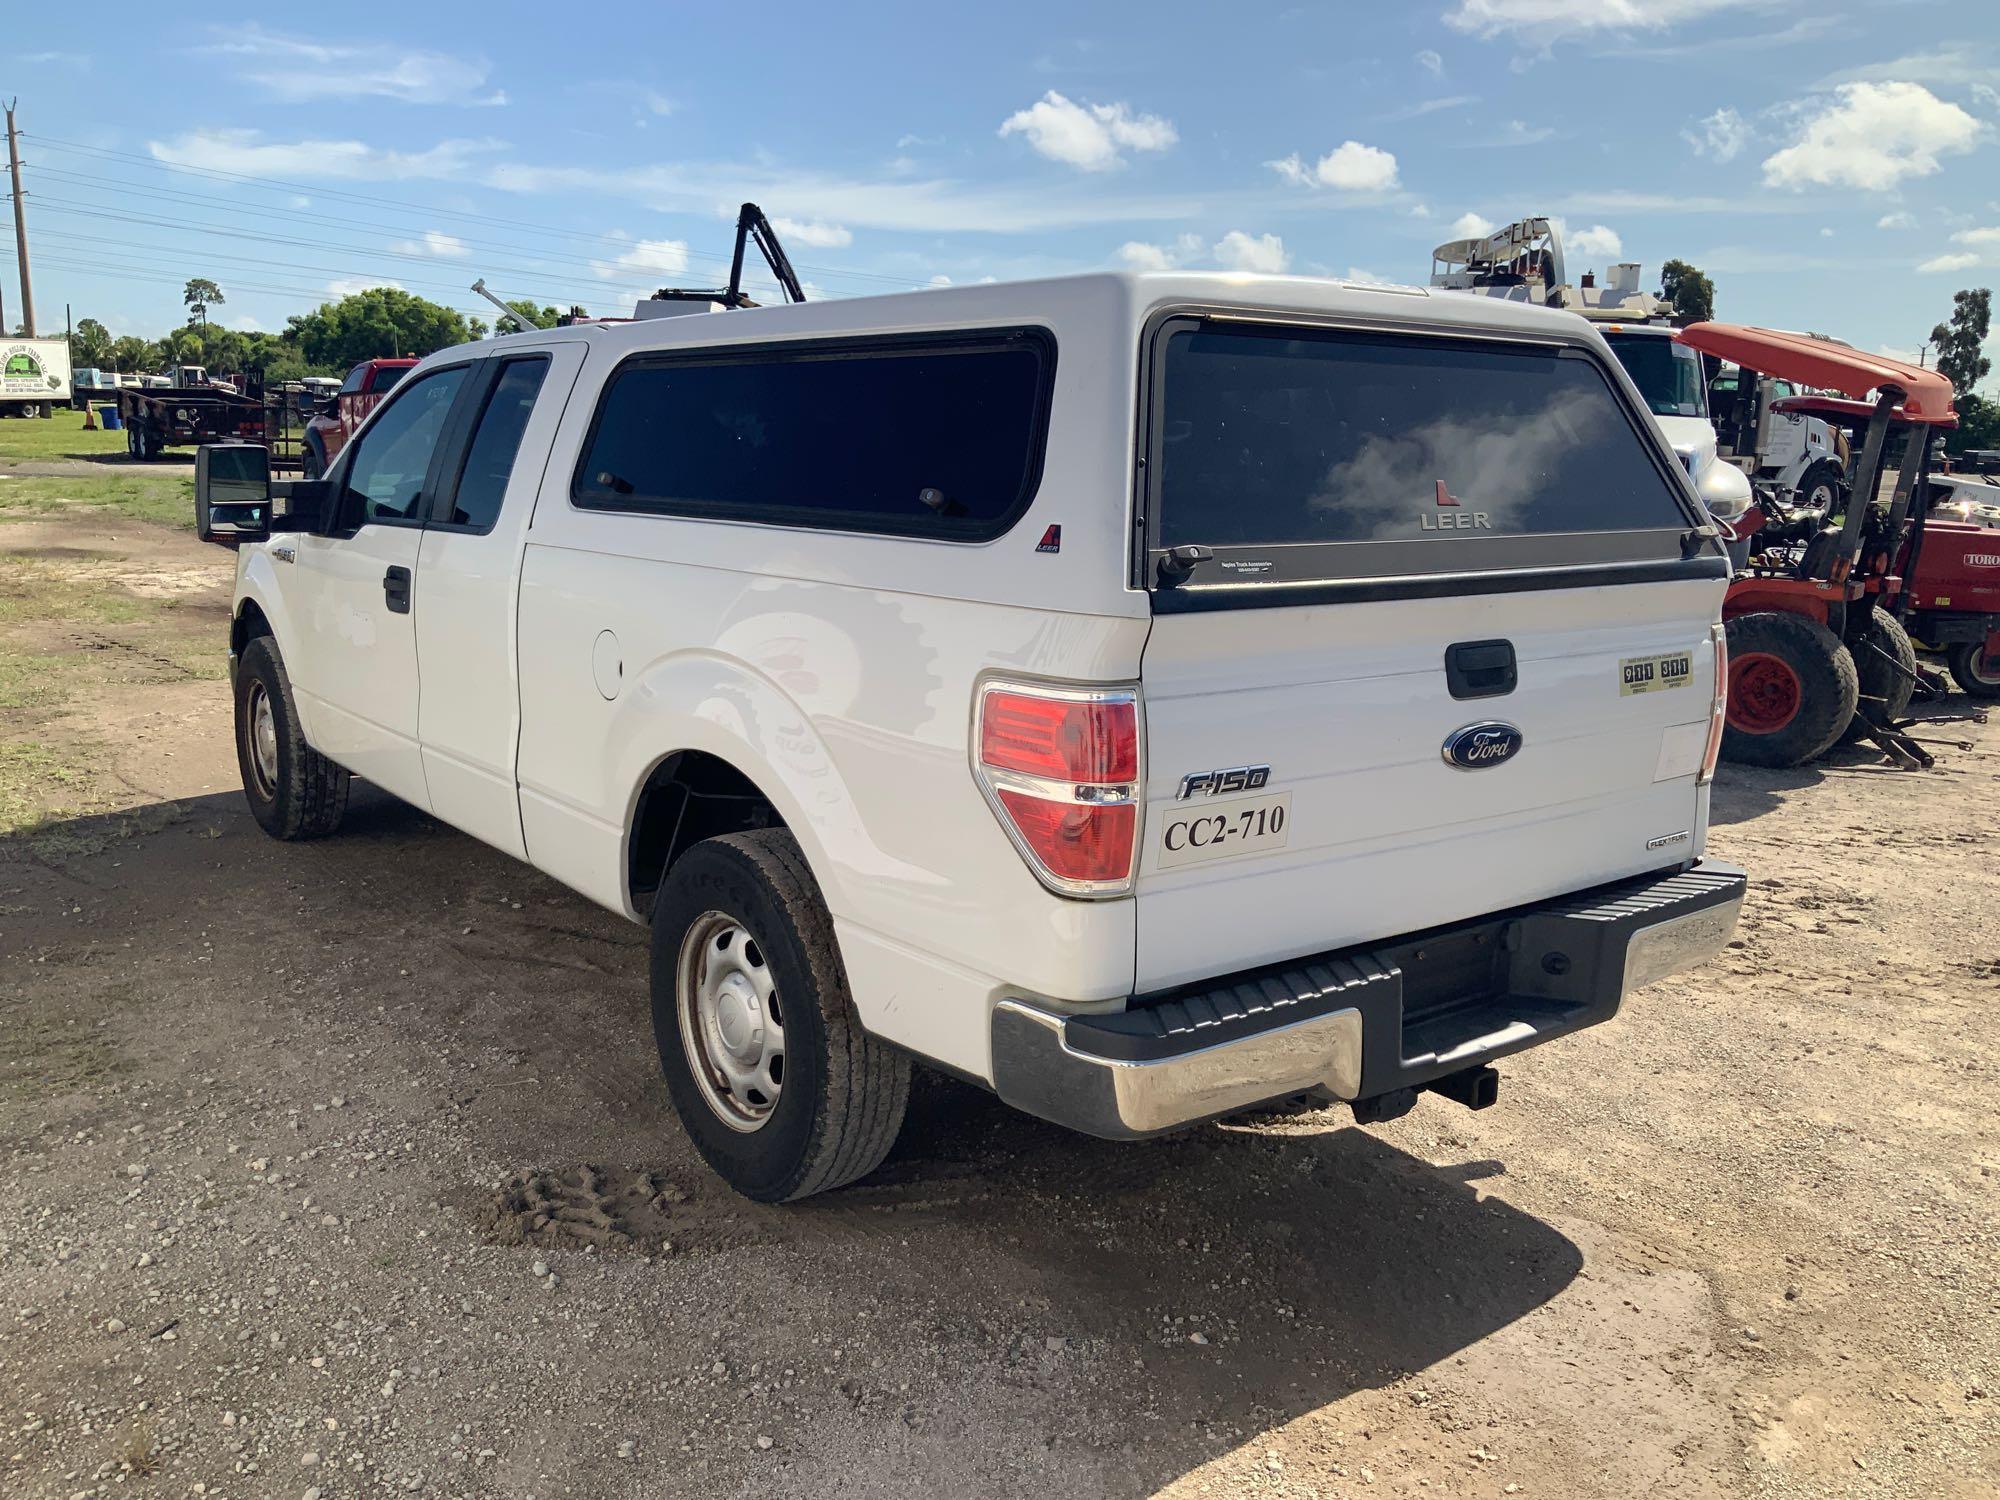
{"x": 1394, "y": 455}
{"x": 1668, "y": 374}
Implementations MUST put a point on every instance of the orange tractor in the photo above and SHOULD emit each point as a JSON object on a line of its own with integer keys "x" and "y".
{"x": 1818, "y": 649}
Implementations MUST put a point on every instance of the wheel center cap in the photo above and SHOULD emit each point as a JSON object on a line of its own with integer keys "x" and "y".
{"x": 739, "y": 1017}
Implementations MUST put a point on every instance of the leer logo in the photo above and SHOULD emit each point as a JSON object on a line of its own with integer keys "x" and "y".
{"x": 1464, "y": 520}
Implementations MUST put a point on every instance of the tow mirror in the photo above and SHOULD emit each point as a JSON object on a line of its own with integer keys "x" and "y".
{"x": 232, "y": 493}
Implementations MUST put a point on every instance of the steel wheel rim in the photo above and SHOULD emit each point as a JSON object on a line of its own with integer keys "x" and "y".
{"x": 261, "y": 729}
{"x": 1764, "y": 693}
{"x": 1973, "y": 665}
{"x": 731, "y": 1021}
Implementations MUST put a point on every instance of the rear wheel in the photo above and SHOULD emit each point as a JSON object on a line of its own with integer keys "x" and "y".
{"x": 1792, "y": 689}
{"x": 1885, "y": 668}
{"x": 775, "y": 1081}
{"x": 1976, "y": 674}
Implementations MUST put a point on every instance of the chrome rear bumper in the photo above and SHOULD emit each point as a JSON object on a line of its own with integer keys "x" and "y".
{"x": 1362, "y": 1022}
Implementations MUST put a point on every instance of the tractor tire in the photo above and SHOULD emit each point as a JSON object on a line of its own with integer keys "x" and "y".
{"x": 1974, "y": 680}
{"x": 1887, "y": 682}
{"x": 1792, "y": 689}
{"x": 1820, "y": 486}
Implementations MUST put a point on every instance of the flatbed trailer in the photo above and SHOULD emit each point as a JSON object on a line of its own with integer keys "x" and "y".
{"x": 164, "y": 417}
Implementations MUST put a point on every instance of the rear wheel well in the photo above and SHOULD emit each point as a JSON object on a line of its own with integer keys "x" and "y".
{"x": 690, "y": 796}
{"x": 247, "y": 626}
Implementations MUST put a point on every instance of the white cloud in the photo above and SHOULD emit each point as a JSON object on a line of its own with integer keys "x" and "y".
{"x": 1237, "y": 251}
{"x": 646, "y": 258}
{"x": 1367, "y": 278}
{"x": 347, "y": 286}
{"x": 245, "y": 152}
{"x": 1977, "y": 237}
{"x": 1350, "y": 167}
{"x": 1897, "y": 220}
{"x": 658, "y": 103}
{"x": 1431, "y": 63}
{"x": 1548, "y": 20}
{"x": 1722, "y": 135}
{"x": 1470, "y": 226}
{"x": 436, "y": 243}
{"x": 301, "y": 69}
{"x": 814, "y": 232}
{"x": 1424, "y": 107}
{"x": 1876, "y": 136}
{"x": 1959, "y": 260}
{"x": 940, "y": 280}
{"x": 1597, "y": 241}
{"x": 1092, "y": 137}
{"x": 1140, "y": 256}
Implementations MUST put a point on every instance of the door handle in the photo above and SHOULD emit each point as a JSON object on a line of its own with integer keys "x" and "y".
{"x": 396, "y": 590}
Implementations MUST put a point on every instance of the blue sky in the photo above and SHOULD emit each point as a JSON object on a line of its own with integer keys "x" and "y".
{"x": 1832, "y": 165}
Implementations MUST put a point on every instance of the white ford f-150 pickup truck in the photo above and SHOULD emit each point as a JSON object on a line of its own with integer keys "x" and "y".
{"x": 1149, "y": 697}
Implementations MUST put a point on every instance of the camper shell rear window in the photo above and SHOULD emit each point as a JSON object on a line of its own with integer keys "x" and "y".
{"x": 1295, "y": 454}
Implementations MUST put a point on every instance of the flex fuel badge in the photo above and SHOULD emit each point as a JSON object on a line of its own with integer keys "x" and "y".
{"x": 1655, "y": 674}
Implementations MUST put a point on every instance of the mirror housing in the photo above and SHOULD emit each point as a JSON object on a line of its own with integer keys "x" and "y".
{"x": 232, "y": 493}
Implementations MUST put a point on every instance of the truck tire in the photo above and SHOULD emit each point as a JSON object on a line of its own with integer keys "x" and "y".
{"x": 1792, "y": 689}
{"x": 294, "y": 792}
{"x": 781, "y": 1091}
{"x": 1973, "y": 679}
{"x": 311, "y": 464}
{"x": 1820, "y": 486}
{"x": 1886, "y": 681}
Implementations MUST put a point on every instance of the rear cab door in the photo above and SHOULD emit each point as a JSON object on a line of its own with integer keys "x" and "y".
{"x": 1441, "y": 646}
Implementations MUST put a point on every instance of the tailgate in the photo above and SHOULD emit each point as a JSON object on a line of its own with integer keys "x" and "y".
{"x": 1436, "y": 642}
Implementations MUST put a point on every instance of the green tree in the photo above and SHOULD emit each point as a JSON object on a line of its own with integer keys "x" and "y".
{"x": 131, "y": 354}
{"x": 90, "y": 345}
{"x": 541, "y": 317}
{"x": 380, "y": 321}
{"x": 1958, "y": 343}
{"x": 184, "y": 346}
{"x": 1689, "y": 290}
{"x": 200, "y": 295}
{"x": 1978, "y": 424}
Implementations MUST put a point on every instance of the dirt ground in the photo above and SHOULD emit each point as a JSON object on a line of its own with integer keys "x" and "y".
{"x": 344, "y": 1168}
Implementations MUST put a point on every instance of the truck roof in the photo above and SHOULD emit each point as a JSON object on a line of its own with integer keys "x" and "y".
{"x": 1124, "y": 298}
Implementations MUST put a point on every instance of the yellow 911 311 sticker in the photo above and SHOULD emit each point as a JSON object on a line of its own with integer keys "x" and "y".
{"x": 1655, "y": 674}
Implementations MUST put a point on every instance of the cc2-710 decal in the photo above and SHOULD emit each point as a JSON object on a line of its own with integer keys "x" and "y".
{"x": 1655, "y": 674}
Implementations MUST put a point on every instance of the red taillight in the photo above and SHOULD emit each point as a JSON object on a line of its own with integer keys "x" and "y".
{"x": 1062, "y": 768}
{"x": 1075, "y": 841}
{"x": 1087, "y": 741}
{"x": 1718, "y": 710}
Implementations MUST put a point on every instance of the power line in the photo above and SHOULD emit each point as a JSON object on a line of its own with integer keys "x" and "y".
{"x": 282, "y": 185}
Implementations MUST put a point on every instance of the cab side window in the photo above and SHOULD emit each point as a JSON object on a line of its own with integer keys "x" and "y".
{"x": 489, "y": 458}
{"x": 356, "y": 378}
{"x": 385, "y": 479}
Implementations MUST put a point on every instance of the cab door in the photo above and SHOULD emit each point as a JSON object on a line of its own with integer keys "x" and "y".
{"x": 354, "y": 669}
{"x": 469, "y": 712}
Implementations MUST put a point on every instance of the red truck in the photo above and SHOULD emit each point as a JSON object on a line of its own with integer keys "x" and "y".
{"x": 328, "y": 431}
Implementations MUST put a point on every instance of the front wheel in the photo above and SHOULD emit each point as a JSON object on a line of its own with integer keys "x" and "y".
{"x": 1885, "y": 667}
{"x": 775, "y": 1081}
{"x": 1977, "y": 674}
{"x": 294, "y": 792}
{"x": 1792, "y": 689}
{"x": 1819, "y": 486}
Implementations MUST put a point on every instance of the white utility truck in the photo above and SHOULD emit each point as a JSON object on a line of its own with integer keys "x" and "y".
{"x": 1524, "y": 262}
{"x": 34, "y": 376}
{"x": 1800, "y": 454}
{"x": 1147, "y": 696}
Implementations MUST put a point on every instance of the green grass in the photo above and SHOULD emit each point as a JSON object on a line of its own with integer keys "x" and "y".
{"x": 62, "y": 436}
{"x": 166, "y": 498}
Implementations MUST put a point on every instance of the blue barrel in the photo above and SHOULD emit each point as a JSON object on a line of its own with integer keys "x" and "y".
{"x": 107, "y": 418}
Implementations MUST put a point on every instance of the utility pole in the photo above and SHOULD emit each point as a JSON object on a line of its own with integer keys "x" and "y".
{"x": 20, "y": 221}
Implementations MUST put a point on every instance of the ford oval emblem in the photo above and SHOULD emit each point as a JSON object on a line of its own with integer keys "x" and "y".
{"x": 1478, "y": 746}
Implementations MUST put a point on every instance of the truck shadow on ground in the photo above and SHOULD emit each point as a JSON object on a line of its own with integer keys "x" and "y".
{"x": 1228, "y": 1279}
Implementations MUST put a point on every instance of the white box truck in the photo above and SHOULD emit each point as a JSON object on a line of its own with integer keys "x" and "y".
{"x": 34, "y": 377}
